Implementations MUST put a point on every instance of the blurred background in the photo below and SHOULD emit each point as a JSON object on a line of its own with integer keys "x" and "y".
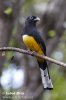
{"x": 20, "y": 77}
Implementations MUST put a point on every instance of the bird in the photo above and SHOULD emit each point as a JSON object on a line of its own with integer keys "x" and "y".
{"x": 34, "y": 42}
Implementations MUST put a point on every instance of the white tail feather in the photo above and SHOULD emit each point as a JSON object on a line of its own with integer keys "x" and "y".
{"x": 47, "y": 83}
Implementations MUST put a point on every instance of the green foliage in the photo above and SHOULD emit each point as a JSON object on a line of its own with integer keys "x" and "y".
{"x": 9, "y": 55}
{"x": 8, "y": 11}
{"x": 58, "y": 75}
{"x": 27, "y": 5}
{"x": 14, "y": 31}
{"x": 42, "y": 1}
{"x": 13, "y": 42}
{"x": 59, "y": 92}
{"x": 6, "y": 65}
{"x": 51, "y": 33}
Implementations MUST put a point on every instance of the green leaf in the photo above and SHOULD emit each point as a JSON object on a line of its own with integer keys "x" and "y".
{"x": 51, "y": 33}
{"x": 8, "y": 11}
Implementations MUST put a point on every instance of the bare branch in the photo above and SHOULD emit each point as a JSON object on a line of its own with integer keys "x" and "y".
{"x": 32, "y": 54}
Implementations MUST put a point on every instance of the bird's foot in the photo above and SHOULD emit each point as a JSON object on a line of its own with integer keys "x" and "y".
{"x": 33, "y": 52}
{"x": 28, "y": 50}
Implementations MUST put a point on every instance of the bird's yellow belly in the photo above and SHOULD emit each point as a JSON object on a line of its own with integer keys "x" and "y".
{"x": 30, "y": 42}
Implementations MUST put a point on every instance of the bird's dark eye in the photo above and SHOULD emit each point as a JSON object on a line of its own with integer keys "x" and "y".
{"x": 31, "y": 17}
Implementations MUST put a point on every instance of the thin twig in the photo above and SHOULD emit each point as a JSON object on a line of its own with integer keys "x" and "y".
{"x": 32, "y": 54}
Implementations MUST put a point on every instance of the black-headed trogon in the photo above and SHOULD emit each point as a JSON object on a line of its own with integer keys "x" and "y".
{"x": 33, "y": 41}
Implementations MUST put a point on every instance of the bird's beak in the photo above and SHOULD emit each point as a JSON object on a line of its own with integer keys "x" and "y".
{"x": 37, "y": 19}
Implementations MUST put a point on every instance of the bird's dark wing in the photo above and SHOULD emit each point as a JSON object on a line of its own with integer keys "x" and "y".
{"x": 39, "y": 40}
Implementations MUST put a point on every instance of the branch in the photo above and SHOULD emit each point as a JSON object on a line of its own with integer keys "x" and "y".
{"x": 32, "y": 54}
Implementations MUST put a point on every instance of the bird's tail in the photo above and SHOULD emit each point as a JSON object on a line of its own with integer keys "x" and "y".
{"x": 46, "y": 80}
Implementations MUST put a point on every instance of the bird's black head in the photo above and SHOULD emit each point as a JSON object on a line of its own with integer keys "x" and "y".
{"x": 32, "y": 20}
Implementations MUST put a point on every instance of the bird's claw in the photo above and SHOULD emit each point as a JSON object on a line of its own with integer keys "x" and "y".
{"x": 28, "y": 50}
{"x": 34, "y": 52}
